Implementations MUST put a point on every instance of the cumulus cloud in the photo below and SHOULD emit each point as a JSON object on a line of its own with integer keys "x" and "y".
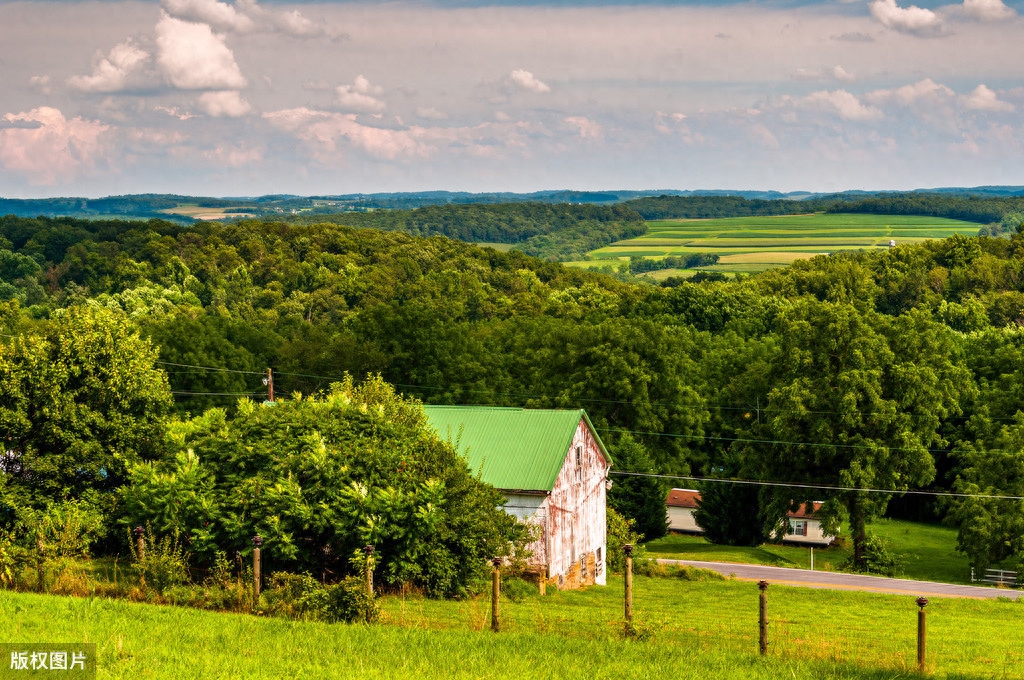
{"x": 926, "y": 92}
{"x": 837, "y": 73}
{"x": 984, "y": 99}
{"x": 430, "y": 113}
{"x": 360, "y": 96}
{"x": 219, "y": 15}
{"x": 586, "y": 128}
{"x": 47, "y": 148}
{"x": 527, "y": 81}
{"x": 193, "y": 57}
{"x": 41, "y": 83}
{"x": 110, "y": 73}
{"x": 843, "y": 103}
{"x": 986, "y": 10}
{"x": 326, "y": 133}
{"x": 913, "y": 20}
{"x": 228, "y": 103}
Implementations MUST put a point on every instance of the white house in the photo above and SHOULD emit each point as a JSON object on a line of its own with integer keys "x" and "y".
{"x": 553, "y": 469}
{"x": 803, "y": 527}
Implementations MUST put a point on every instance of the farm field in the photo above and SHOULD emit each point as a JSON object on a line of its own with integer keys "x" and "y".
{"x": 747, "y": 244}
{"x": 928, "y": 549}
{"x": 697, "y": 629}
{"x": 203, "y": 213}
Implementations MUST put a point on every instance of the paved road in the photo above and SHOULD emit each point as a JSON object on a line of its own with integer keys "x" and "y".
{"x": 835, "y": 581}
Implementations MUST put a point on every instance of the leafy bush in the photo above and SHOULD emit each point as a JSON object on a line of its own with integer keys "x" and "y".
{"x": 516, "y": 589}
{"x": 300, "y": 596}
{"x": 879, "y": 558}
{"x": 620, "y": 532}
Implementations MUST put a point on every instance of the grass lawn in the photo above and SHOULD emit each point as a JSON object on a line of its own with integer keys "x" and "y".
{"x": 757, "y": 243}
{"x": 700, "y": 630}
{"x": 929, "y": 551}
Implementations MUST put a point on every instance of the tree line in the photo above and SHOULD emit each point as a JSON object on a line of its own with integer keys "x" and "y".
{"x": 897, "y": 369}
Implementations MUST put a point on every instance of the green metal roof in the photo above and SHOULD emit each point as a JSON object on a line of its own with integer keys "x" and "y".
{"x": 514, "y": 449}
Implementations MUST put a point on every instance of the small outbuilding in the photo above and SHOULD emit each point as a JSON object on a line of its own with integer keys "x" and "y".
{"x": 802, "y": 525}
{"x": 553, "y": 469}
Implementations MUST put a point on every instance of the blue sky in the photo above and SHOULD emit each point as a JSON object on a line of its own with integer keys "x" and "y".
{"x": 247, "y": 97}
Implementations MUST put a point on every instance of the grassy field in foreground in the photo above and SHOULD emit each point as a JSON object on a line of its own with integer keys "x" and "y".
{"x": 757, "y": 243}
{"x": 928, "y": 549}
{"x": 697, "y": 630}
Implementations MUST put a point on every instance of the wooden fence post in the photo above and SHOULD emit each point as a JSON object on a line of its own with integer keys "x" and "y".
{"x": 763, "y": 616}
{"x": 257, "y": 541}
{"x": 628, "y": 549}
{"x": 140, "y": 543}
{"x": 496, "y": 595}
{"x": 921, "y": 633}
{"x": 368, "y": 549}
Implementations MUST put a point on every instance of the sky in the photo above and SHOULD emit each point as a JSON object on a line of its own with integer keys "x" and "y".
{"x": 251, "y": 97}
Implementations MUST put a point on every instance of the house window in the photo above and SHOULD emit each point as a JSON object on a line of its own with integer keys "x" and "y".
{"x": 798, "y": 527}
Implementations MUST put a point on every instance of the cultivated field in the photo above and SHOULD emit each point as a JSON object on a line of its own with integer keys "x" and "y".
{"x": 203, "y": 213}
{"x": 697, "y": 630}
{"x": 747, "y": 244}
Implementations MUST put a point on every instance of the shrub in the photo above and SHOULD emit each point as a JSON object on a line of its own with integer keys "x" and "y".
{"x": 879, "y": 558}
{"x": 620, "y": 532}
{"x": 516, "y": 589}
{"x": 300, "y": 596}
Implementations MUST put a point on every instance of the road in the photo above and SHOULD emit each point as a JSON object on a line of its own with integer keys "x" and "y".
{"x": 836, "y": 581}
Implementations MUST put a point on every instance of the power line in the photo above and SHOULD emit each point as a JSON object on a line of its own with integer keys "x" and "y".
{"x": 208, "y": 368}
{"x": 821, "y": 487}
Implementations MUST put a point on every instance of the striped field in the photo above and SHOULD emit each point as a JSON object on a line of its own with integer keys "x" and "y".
{"x": 747, "y": 244}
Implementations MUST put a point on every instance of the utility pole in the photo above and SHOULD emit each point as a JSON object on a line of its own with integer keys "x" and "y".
{"x": 269, "y": 382}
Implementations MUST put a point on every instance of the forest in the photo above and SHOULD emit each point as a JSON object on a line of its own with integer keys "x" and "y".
{"x": 896, "y": 370}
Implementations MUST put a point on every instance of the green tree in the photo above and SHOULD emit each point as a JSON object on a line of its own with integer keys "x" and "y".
{"x": 641, "y": 499}
{"x": 80, "y": 402}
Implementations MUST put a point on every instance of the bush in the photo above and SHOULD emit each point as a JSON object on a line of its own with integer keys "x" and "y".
{"x": 300, "y": 596}
{"x": 516, "y": 589}
{"x": 620, "y": 532}
{"x": 879, "y": 557}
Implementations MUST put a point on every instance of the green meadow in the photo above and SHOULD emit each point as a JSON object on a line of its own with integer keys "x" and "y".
{"x": 691, "y": 629}
{"x": 928, "y": 551}
{"x": 746, "y": 244}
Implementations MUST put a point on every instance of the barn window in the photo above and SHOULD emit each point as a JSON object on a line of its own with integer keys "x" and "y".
{"x": 579, "y": 462}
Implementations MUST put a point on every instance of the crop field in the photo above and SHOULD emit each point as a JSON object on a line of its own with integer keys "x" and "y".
{"x": 203, "y": 213}
{"x": 692, "y": 629}
{"x": 747, "y": 244}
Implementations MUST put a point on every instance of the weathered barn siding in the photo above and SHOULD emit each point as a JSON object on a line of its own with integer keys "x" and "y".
{"x": 576, "y": 544}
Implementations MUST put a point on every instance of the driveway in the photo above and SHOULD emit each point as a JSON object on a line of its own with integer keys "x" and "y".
{"x": 836, "y": 581}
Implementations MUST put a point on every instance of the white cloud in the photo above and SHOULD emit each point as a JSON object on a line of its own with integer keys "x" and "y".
{"x": 913, "y": 20}
{"x": 924, "y": 92}
{"x": 430, "y": 113}
{"x": 842, "y": 102}
{"x": 326, "y": 133}
{"x": 41, "y": 83}
{"x": 193, "y": 57}
{"x": 837, "y": 73}
{"x": 228, "y": 103}
{"x": 47, "y": 148}
{"x": 984, "y": 99}
{"x": 527, "y": 81}
{"x": 110, "y": 73}
{"x": 217, "y": 14}
{"x": 588, "y": 129}
{"x": 360, "y": 96}
{"x": 986, "y": 10}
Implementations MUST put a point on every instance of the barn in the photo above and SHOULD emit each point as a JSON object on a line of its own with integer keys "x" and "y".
{"x": 553, "y": 469}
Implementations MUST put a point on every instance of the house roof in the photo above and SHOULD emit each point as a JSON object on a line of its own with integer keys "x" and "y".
{"x": 514, "y": 449}
{"x": 683, "y": 498}
{"x": 688, "y": 498}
